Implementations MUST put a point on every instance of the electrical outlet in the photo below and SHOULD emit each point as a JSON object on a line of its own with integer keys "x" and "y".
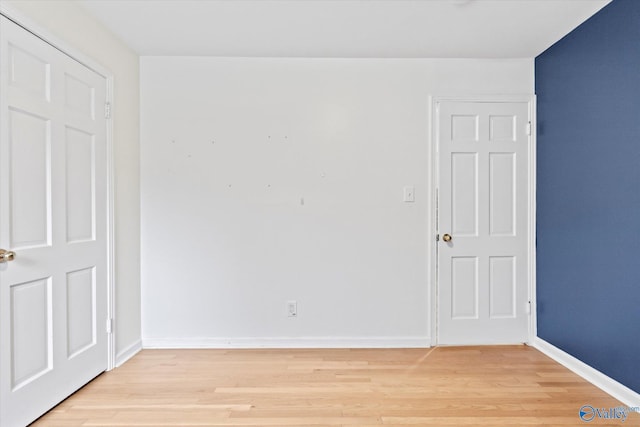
{"x": 292, "y": 309}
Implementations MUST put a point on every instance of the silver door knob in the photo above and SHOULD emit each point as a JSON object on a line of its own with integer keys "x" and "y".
{"x": 447, "y": 237}
{"x": 6, "y": 256}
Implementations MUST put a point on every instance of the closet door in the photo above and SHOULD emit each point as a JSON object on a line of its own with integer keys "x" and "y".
{"x": 53, "y": 229}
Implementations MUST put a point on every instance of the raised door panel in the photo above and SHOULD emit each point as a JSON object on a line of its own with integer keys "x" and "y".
{"x": 502, "y": 196}
{"x": 502, "y": 128}
{"x": 29, "y": 72}
{"x": 465, "y": 128}
{"x": 31, "y": 331}
{"x": 464, "y": 288}
{"x": 464, "y": 194}
{"x": 30, "y": 180}
{"x": 81, "y": 311}
{"x": 80, "y": 185}
{"x": 502, "y": 287}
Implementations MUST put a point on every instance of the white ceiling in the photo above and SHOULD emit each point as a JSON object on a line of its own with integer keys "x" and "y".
{"x": 343, "y": 28}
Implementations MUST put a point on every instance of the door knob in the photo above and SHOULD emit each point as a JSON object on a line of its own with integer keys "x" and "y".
{"x": 447, "y": 237}
{"x": 6, "y": 256}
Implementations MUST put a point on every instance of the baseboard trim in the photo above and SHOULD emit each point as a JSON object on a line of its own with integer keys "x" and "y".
{"x": 128, "y": 353}
{"x": 595, "y": 377}
{"x": 285, "y": 342}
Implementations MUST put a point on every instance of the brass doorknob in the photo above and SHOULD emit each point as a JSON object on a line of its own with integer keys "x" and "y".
{"x": 6, "y": 256}
{"x": 447, "y": 237}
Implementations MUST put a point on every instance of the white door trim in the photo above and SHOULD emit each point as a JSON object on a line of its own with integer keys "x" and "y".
{"x": 433, "y": 186}
{"x": 44, "y": 34}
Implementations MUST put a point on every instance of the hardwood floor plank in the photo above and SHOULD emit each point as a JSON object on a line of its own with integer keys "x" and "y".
{"x": 448, "y": 386}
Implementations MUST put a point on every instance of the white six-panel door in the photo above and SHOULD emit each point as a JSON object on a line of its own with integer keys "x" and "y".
{"x": 483, "y": 206}
{"x": 53, "y": 195}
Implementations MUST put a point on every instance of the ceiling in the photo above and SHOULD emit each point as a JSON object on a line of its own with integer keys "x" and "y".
{"x": 343, "y": 28}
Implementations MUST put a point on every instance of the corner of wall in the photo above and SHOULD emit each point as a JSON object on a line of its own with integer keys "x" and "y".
{"x": 595, "y": 377}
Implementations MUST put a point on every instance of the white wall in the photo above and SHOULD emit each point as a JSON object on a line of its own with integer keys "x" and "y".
{"x": 231, "y": 147}
{"x": 70, "y": 23}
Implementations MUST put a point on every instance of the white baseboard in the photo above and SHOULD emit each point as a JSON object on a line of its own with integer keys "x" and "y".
{"x": 128, "y": 353}
{"x": 285, "y": 342}
{"x": 595, "y": 377}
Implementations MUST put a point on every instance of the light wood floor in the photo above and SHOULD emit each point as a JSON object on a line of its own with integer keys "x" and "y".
{"x": 447, "y": 386}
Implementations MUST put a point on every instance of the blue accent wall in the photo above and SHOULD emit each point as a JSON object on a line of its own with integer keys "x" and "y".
{"x": 588, "y": 201}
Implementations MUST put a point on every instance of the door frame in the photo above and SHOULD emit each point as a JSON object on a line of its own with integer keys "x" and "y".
{"x": 47, "y": 36}
{"x": 433, "y": 186}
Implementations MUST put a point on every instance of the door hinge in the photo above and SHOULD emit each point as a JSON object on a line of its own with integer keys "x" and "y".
{"x": 528, "y": 308}
{"x": 107, "y": 110}
{"x": 437, "y": 237}
{"x": 109, "y": 326}
{"x": 529, "y": 128}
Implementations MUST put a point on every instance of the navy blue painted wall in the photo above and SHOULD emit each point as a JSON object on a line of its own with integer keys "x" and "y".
{"x": 588, "y": 243}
